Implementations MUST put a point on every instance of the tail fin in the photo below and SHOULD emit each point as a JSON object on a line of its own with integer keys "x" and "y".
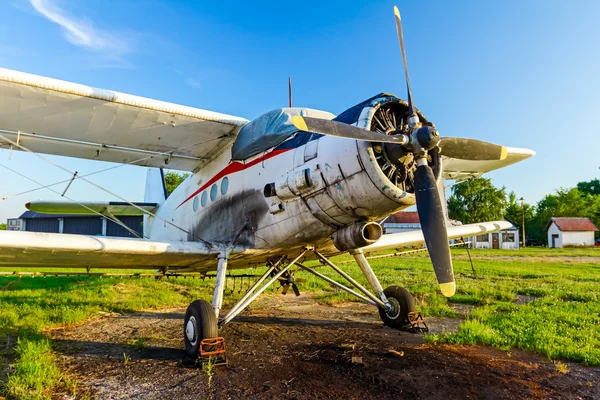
{"x": 156, "y": 190}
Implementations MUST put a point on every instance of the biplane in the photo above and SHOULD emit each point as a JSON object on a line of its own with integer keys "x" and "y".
{"x": 294, "y": 184}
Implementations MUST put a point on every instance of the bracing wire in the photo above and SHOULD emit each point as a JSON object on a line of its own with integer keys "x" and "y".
{"x": 106, "y": 190}
{"x": 170, "y": 152}
{"x": 115, "y": 220}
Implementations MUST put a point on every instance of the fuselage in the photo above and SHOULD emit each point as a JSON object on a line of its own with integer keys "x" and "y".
{"x": 229, "y": 202}
{"x": 298, "y": 192}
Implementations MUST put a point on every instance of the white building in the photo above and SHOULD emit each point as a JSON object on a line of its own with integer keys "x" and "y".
{"x": 566, "y": 232}
{"x": 14, "y": 224}
{"x": 507, "y": 239}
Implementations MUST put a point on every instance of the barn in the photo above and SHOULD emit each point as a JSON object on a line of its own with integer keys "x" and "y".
{"x": 79, "y": 224}
{"x": 570, "y": 232}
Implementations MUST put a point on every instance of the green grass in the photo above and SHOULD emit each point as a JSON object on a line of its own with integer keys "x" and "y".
{"x": 36, "y": 369}
{"x": 562, "y": 321}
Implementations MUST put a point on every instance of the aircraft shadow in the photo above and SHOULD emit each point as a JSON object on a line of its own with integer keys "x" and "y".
{"x": 116, "y": 350}
{"x": 321, "y": 323}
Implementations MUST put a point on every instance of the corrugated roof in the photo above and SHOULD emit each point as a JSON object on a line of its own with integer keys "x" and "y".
{"x": 32, "y": 215}
{"x": 404, "y": 217}
{"x": 573, "y": 224}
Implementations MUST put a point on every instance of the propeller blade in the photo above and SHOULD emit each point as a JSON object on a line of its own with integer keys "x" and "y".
{"x": 433, "y": 224}
{"x": 340, "y": 129}
{"x": 411, "y": 109}
{"x": 472, "y": 149}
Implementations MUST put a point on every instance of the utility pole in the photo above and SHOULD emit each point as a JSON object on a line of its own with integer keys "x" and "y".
{"x": 523, "y": 216}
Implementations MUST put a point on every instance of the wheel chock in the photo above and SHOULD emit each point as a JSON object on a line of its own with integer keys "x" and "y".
{"x": 212, "y": 350}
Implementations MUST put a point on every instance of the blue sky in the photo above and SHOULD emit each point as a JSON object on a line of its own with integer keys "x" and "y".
{"x": 519, "y": 73}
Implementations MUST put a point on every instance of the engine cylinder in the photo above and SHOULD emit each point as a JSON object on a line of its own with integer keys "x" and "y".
{"x": 357, "y": 235}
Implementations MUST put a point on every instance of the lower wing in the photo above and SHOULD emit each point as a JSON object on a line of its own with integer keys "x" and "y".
{"x": 415, "y": 237}
{"x": 55, "y": 250}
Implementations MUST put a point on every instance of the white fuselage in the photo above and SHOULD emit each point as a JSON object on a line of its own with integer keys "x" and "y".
{"x": 225, "y": 201}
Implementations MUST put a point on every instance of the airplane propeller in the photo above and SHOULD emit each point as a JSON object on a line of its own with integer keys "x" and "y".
{"x": 421, "y": 139}
{"x": 459, "y": 148}
{"x": 429, "y": 201}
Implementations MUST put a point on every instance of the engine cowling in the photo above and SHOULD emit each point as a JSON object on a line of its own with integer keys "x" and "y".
{"x": 387, "y": 114}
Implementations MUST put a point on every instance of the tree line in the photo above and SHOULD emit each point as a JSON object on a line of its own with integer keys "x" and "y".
{"x": 477, "y": 200}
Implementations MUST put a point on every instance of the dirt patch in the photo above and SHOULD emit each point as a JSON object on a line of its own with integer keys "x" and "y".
{"x": 293, "y": 348}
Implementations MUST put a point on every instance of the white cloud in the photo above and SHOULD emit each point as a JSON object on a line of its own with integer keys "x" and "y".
{"x": 82, "y": 33}
{"x": 193, "y": 83}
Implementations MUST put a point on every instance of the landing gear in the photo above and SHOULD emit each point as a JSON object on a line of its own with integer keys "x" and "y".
{"x": 402, "y": 304}
{"x": 202, "y": 320}
{"x": 201, "y": 317}
{"x": 200, "y": 323}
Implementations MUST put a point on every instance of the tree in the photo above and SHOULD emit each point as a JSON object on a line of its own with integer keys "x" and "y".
{"x": 173, "y": 179}
{"x": 477, "y": 200}
{"x": 2, "y": 227}
{"x": 591, "y": 187}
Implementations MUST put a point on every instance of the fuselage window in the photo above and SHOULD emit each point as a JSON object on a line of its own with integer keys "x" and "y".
{"x": 195, "y": 204}
{"x": 224, "y": 186}
{"x": 204, "y": 199}
{"x": 213, "y": 192}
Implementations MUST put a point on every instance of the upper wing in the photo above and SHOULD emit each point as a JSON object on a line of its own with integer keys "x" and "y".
{"x": 57, "y": 117}
{"x": 464, "y": 169}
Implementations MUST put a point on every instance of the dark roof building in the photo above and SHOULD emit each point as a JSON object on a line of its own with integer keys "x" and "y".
{"x": 94, "y": 225}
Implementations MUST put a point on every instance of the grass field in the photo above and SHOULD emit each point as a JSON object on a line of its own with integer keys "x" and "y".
{"x": 544, "y": 300}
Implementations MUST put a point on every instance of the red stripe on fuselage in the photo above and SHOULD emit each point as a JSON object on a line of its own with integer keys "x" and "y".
{"x": 233, "y": 168}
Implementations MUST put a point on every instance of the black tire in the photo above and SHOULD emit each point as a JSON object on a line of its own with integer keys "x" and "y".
{"x": 403, "y": 304}
{"x": 203, "y": 324}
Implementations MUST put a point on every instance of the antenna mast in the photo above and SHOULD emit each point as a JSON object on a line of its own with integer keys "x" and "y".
{"x": 290, "y": 90}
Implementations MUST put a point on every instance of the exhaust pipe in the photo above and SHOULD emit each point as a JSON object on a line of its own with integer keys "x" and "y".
{"x": 357, "y": 235}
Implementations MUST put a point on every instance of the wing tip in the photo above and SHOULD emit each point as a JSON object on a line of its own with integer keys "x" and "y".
{"x": 517, "y": 151}
{"x": 397, "y": 12}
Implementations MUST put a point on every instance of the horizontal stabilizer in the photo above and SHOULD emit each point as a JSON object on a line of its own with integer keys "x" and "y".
{"x": 116, "y": 208}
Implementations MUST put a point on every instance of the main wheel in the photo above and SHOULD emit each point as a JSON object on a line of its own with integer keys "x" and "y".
{"x": 200, "y": 323}
{"x": 402, "y": 304}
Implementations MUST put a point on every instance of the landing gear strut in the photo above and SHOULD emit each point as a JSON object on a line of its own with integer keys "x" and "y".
{"x": 201, "y": 317}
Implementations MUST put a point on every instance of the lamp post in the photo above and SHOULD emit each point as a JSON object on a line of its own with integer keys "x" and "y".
{"x": 523, "y": 217}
